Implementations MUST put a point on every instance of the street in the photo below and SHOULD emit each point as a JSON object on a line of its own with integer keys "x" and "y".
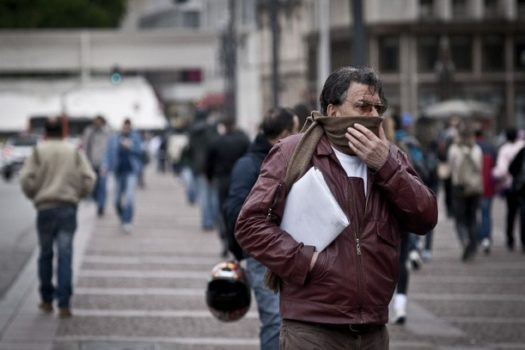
{"x": 146, "y": 290}
{"x": 17, "y": 231}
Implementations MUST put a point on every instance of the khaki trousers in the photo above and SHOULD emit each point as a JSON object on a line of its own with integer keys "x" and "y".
{"x": 296, "y": 335}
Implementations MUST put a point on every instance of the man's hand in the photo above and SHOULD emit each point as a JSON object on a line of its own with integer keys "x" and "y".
{"x": 367, "y": 146}
{"x": 314, "y": 260}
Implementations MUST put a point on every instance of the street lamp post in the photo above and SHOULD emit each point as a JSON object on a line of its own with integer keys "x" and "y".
{"x": 274, "y": 13}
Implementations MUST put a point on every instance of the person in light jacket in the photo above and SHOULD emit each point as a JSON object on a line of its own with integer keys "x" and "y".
{"x": 55, "y": 177}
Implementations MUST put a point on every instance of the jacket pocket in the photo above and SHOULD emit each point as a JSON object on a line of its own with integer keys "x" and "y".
{"x": 319, "y": 268}
{"x": 387, "y": 235}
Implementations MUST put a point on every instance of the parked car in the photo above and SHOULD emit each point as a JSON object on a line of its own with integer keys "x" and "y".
{"x": 14, "y": 152}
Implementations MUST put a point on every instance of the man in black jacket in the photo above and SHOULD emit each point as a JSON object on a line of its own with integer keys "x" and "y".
{"x": 277, "y": 124}
{"x": 224, "y": 150}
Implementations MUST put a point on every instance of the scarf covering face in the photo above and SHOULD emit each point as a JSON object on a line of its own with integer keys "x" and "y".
{"x": 335, "y": 128}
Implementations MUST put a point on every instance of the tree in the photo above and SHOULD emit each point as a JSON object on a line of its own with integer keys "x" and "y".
{"x": 17, "y": 14}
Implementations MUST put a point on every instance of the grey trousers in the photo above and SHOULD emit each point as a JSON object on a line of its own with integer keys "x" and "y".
{"x": 297, "y": 335}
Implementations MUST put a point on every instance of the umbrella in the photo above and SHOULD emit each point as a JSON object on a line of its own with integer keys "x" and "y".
{"x": 460, "y": 108}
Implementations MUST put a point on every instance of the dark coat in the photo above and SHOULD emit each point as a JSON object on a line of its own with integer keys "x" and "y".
{"x": 244, "y": 175}
{"x": 223, "y": 152}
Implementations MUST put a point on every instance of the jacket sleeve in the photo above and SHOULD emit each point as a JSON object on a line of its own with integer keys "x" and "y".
{"x": 28, "y": 176}
{"x": 257, "y": 229}
{"x": 243, "y": 177}
{"x": 414, "y": 203}
{"x": 87, "y": 176}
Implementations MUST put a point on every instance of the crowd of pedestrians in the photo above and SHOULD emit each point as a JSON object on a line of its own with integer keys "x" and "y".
{"x": 241, "y": 188}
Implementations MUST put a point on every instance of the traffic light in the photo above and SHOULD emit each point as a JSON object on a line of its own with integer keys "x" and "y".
{"x": 116, "y": 76}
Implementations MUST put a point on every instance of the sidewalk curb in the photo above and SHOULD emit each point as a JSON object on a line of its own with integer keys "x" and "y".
{"x": 22, "y": 326}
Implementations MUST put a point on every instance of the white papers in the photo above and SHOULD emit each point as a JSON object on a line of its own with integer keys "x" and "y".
{"x": 312, "y": 215}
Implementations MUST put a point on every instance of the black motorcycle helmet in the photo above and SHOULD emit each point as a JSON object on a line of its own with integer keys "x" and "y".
{"x": 227, "y": 294}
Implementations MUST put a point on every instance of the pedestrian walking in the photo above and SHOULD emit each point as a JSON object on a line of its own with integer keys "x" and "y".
{"x": 324, "y": 304}
{"x": 95, "y": 143}
{"x": 225, "y": 149}
{"x": 465, "y": 161}
{"x": 277, "y": 124}
{"x": 506, "y": 153}
{"x": 55, "y": 177}
{"x": 489, "y": 189}
{"x": 200, "y": 133}
{"x": 124, "y": 159}
{"x": 517, "y": 170}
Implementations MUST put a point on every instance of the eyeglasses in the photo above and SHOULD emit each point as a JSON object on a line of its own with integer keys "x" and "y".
{"x": 366, "y": 107}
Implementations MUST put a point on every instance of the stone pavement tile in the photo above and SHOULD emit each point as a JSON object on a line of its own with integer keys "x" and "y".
{"x": 193, "y": 327}
{"x": 25, "y": 346}
{"x": 138, "y": 282}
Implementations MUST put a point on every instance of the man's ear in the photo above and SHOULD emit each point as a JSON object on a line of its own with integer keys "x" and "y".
{"x": 331, "y": 110}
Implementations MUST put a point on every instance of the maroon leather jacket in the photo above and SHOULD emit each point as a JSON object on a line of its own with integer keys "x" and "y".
{"x": 354, "y": 278}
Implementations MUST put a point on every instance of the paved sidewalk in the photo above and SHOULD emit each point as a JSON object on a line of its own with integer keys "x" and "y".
{"x": 146, "y": 290}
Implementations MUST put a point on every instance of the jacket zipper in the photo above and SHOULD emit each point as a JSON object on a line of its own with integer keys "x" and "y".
{"x": 274, "y": 202}
{"x": 360, "y": 277}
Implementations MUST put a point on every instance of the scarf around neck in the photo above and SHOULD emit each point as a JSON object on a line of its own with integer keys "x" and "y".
{"x": 335, "y": 128}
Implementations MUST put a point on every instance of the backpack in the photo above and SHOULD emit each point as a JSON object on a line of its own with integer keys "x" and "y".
{"x": 469, "y": 178}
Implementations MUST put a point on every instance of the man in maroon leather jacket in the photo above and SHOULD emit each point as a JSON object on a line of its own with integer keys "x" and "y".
{"x": 338, "y": 298}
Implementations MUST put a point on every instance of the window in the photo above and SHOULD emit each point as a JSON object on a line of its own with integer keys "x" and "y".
{"x": 461, "y": 52}
{"x": 519, "y": 54}
{"x": 459, "y": 9}
{"x": 389, "y": 54}
{"x": 521, "y": 8}
{"x": 493, "y": 53}
{"x": 492, "y": 9}
{"x": 426, "y": 9}
{"x": 427, "y": 53}
{"x": 190, "y": 19}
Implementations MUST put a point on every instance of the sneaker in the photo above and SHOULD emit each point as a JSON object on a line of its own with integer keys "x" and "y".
{"x": 415, "y": 259}
{"x": 46, "y": 307}
{"x": 400, "y": 309}
{"x": 485, "y": 245}
{"x": 127, "y": 228}
{"x": 426, "y": 256}
{"x": 64, "y": 312}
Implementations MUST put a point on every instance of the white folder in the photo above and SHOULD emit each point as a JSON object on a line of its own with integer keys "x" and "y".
{"x": 311, "y": 214}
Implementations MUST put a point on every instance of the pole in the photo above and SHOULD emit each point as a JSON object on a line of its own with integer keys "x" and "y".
{"x": 359, "y": 47}
{"x": 323, "y": 55}
{"x": 231, "y": 63}
{"x": 274, "y": 12}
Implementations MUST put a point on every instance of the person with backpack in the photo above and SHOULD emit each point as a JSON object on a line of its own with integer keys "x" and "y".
{"x": 277, "y": 124}
{"x": 465, "y": 160}
{"x": 338, "y": 297}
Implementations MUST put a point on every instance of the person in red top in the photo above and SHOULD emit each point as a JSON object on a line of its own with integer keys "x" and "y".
{"x": 489, "y": 190}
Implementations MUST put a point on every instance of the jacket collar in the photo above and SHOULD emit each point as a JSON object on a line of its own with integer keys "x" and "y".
{"x": 324, "y": 148}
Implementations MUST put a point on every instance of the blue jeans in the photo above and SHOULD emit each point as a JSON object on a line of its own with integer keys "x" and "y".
{"x": 125, "y": 197}
{"x": 208, "y": 202}
{"x": 189, "y": 183}
{"x": 267, "y": 305}
{"x": 485, "y": 226}
{"x": 99, "y": 191}
{"x": 56, "y": 225}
